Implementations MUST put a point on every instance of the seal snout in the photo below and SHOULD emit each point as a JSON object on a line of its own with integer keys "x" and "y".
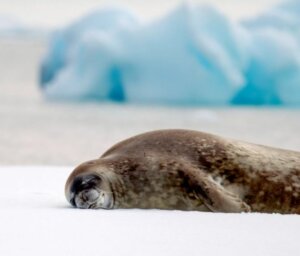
{"x": 87, "y": 198}
{"x": 89, "y": 191}
{"x": 84, "y": 191}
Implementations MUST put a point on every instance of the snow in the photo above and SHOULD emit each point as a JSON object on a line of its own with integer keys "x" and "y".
{"x": 35, "y": 219}
{"x": 193, "y": 55}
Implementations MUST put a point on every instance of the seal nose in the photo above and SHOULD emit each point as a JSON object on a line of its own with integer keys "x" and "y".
{"x": 86, "y": 199}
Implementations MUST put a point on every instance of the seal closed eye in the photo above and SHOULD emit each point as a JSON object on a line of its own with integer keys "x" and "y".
{"x": 188, "y": 170}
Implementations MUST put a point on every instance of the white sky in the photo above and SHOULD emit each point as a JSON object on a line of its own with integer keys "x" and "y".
{"x": 52, "y": 13}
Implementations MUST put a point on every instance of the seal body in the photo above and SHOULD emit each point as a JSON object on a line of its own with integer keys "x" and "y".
{"x": 189, "y": 170}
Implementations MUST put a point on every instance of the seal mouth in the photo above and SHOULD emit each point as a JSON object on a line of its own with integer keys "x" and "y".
{"x": 92, "y": 199}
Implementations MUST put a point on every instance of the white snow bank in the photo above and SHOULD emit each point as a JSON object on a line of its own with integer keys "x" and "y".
{"x": 35, "y": 219}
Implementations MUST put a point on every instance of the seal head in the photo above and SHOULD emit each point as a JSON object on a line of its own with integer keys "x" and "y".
{"x": 89, "y": 191}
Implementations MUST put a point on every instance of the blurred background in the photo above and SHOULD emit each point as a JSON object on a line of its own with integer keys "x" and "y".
{"x": 49, "y": 14}
{"x": 72, "y": 85}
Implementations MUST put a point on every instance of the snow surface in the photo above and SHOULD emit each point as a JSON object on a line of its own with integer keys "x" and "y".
{"x": 35, "y": 219}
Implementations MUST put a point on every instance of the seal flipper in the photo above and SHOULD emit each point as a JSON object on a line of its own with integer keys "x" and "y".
{"x": 215, "y": 196}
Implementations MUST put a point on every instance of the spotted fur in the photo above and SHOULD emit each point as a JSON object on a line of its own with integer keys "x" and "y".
{"x": 191, "y": 170}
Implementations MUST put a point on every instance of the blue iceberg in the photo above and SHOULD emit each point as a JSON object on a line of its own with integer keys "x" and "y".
{"x": 80, "y": 60}
{"x": 273, "y": 72}
{"x": 194, "y": 55}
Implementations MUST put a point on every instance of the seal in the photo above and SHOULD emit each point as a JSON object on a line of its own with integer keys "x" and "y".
{"x": 188, "y": 170}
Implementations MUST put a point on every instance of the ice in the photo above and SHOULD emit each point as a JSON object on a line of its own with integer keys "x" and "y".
{"x": 36, "y": 219}
{"x": 273, "y": 73}
{"x": 193, "y": 55}
{"x": 173, "y": 60}
{"x": 10, "y": 25}
{"x": 81, "y": 58}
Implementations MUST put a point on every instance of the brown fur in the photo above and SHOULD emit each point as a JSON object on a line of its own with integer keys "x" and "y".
{"x": 190, "y": 170}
